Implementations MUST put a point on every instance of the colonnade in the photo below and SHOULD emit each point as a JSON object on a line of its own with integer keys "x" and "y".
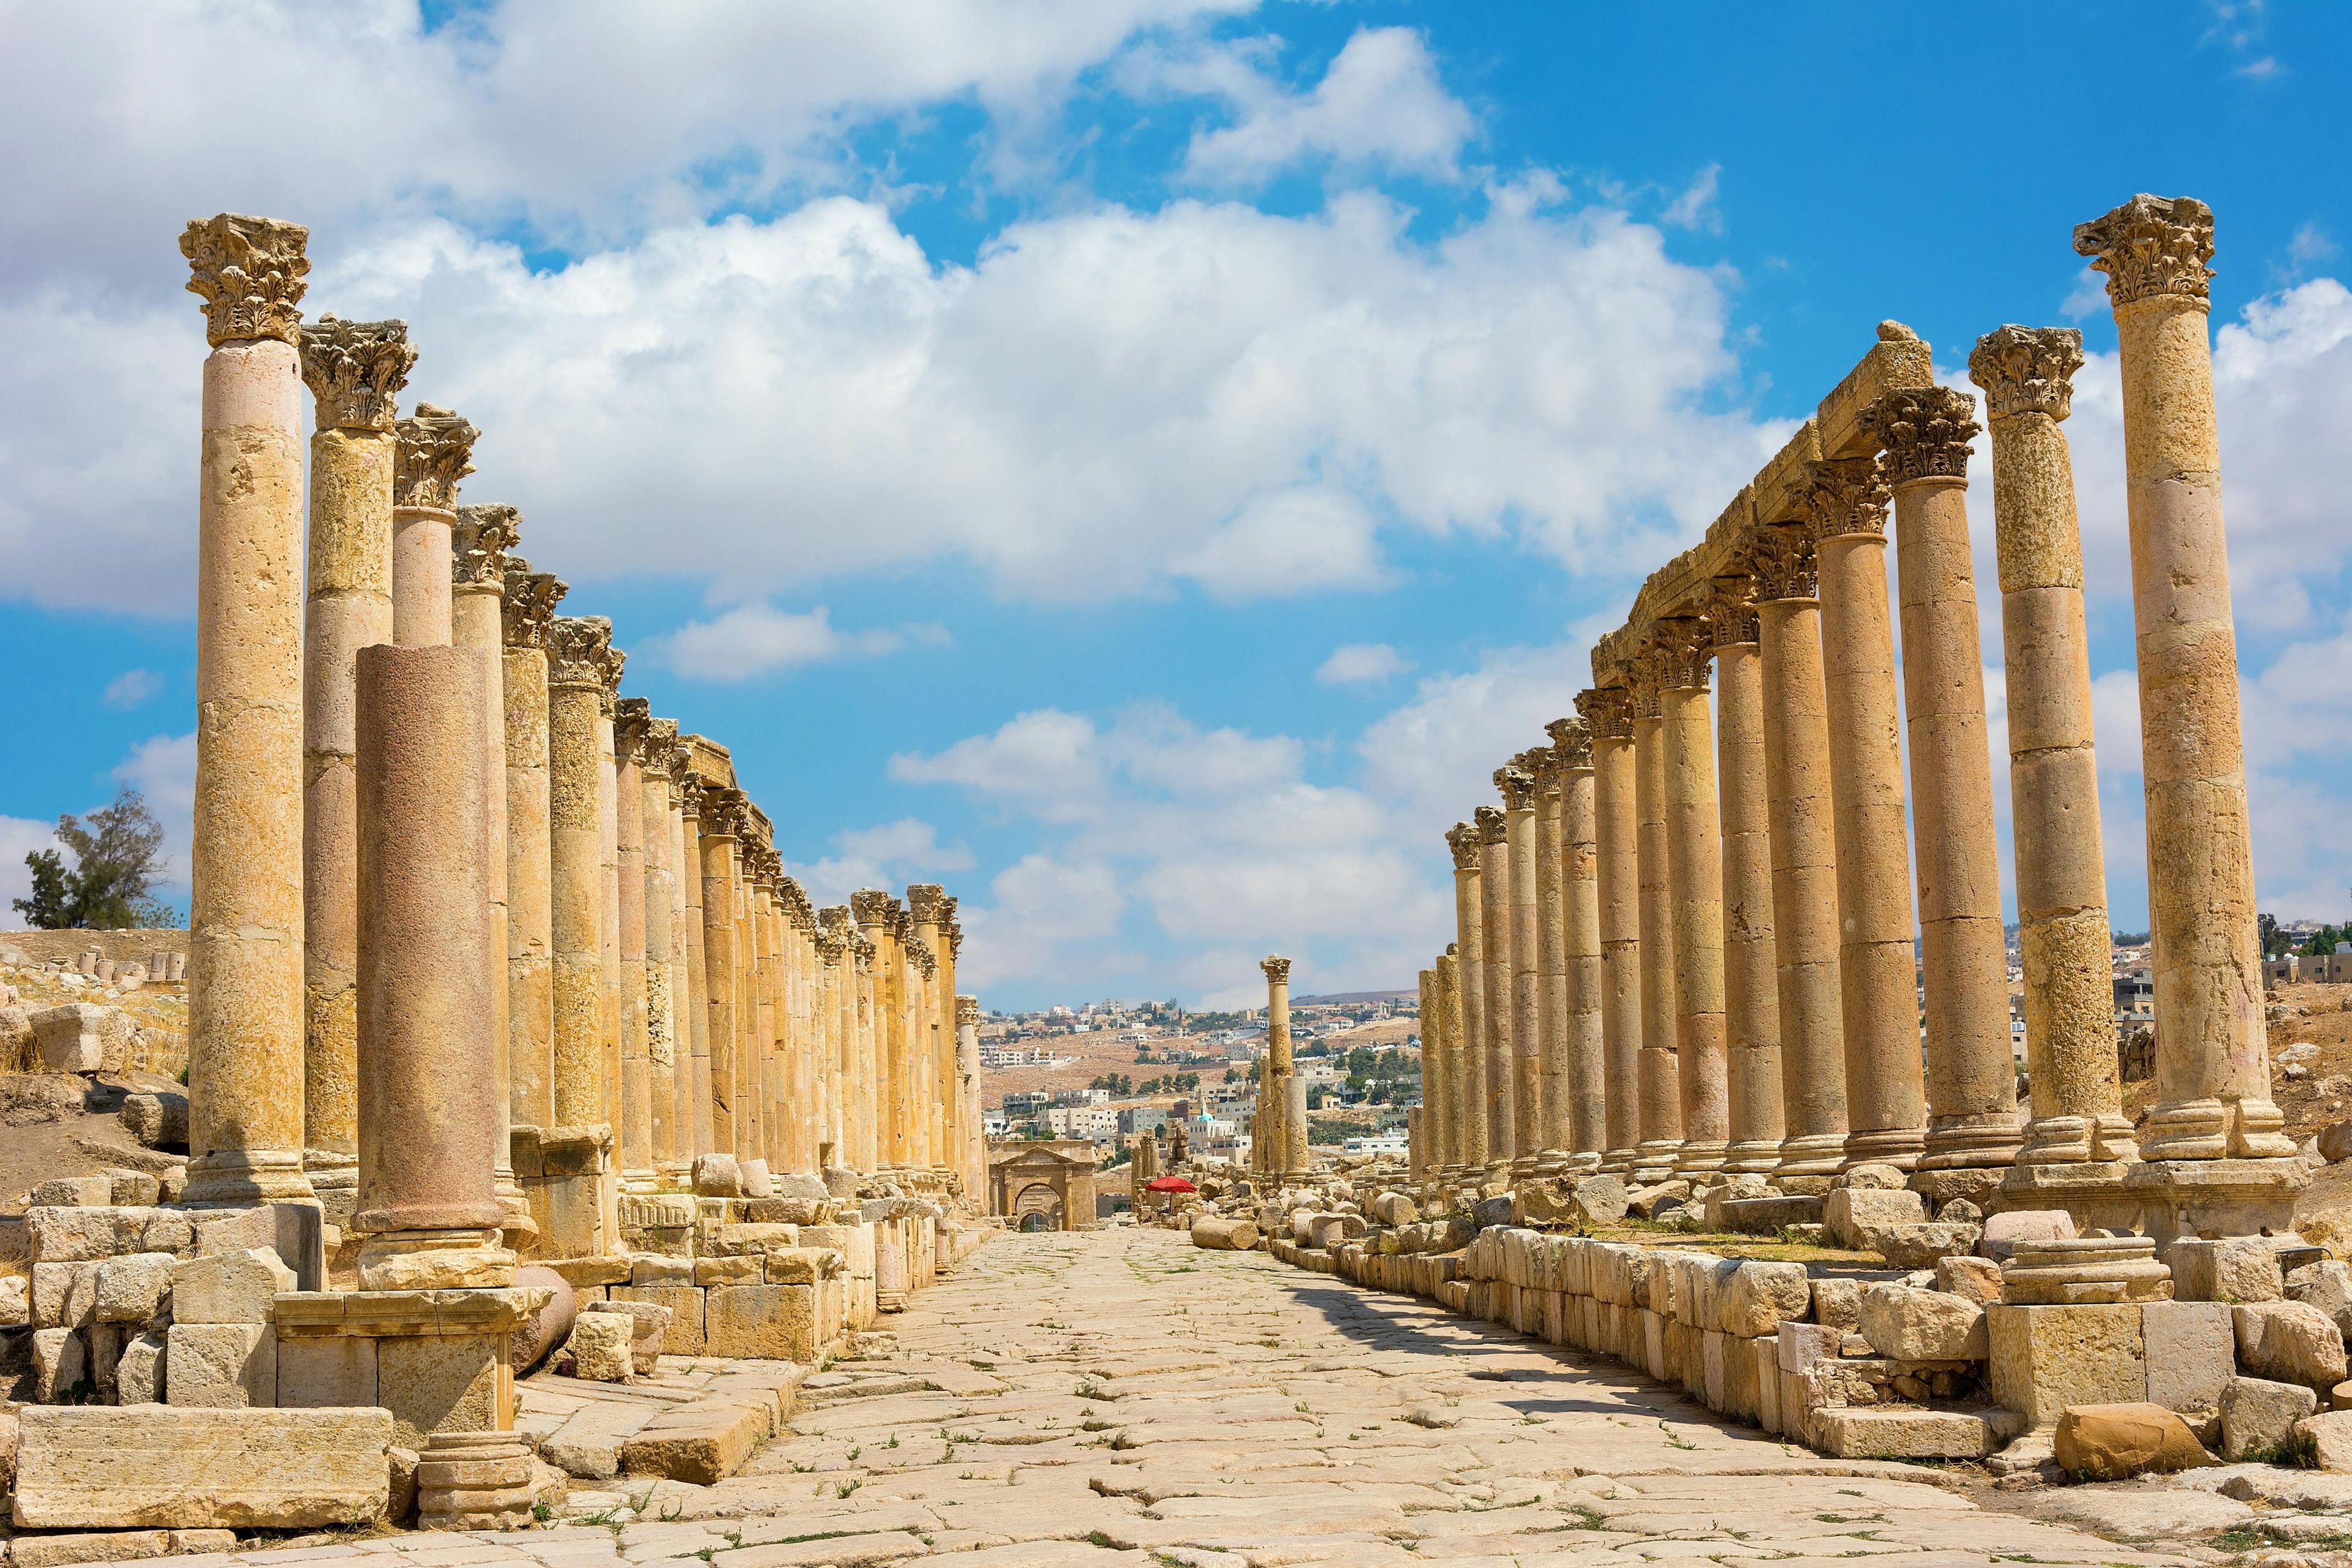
{"x": 467, "y": 922}
{"x": 1685, "y": 940}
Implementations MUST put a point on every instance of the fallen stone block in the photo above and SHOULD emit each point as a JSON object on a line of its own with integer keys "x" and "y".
{"x": 2234, "y": 1269}
{"x": 1922, "y": 1325}
{"x": 155, "y": 1121}
{"x": 73, "y": 1191}
{"x": 1757, "y": 1298}
{"x": 2326, "y": 1286}
{"x": 599, "y": 1346}
{"x": 96, "y": 1466}
{"x": 65, "y": 1295}
{"x": 78, "y": 1038}
{"x": 61, "y": 1366}
{"x": 15, "y": 1301}
{"x": 140, "y": 1375}
{"x": 2259, "y": 1416}
{"x": 1849, "y": 1208}
{"x": 2117, "y": 1442}
{"x": 718, "y": 1176}
{"x": 2192, "y": 1352}
{"x": 1225, "y": 1235}
{"x": 1977, "y": 1279}
{"x": 1921, "y": 1245}
{"x": 761, "y": 1323}
{"x": 75, "y": 1235}
{"x": 704, "y": 1445}
{"x": 1901, "y": 1434}
{"x": 2289, "y": 1342}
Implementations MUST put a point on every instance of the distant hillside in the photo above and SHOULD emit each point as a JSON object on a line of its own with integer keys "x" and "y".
{"x": 1348, "y": 996}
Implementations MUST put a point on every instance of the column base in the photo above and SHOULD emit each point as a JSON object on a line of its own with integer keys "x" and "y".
{"x": 1978, "y": 1138}
{"x": 640, "y": 1182}
{"x": 1896, "y": 1146}
{"x": 2105, "y": 1138}
{"x": 2091, "y": 1191}
{"x": 1813, "y": 1154}
{"x": 2216, "y": 1198}
{"x": 1617, "y": 1162}
{"x": 1701, "y": 1157}
{"x": 517, "y": 1223}
{"x": 452, "y": 1259}
{"x": 239, "y": 1178}
{"x": 1655, "y": 1160}
{"x": 1525, "y": 1168}
{"x": 1758, "y": 1157}
{"x": 2201, "y": 1129}
{"x": 474, "y": 1481}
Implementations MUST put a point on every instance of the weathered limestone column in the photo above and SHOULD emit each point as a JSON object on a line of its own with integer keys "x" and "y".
{"x": 1752, "y": 1009}
{"x": 871, "y": 908}
{"x": 1436, "y": 1091}
{"x": 923, "y": 903}
{"x": 1661, "y": 1088}
{"x": 477, "y": 617}
{"x": 355, "y": 371}
{"x": 1550, "y": 963}
{"x": 435, "y": 451}
{"x": 1608, "y": 714}
{"x": 529, "y": 607}
{"x": 2216, "y": 1156}
{"x": 657, "y": 759}
{"x": 1274, "y": 1083}
{"x": 748, "y": 1037}
{"x": 1427, "y": 1148}
{"x": 1885, "y": 1097}
{"x": 830, "y": 952}
{"x": 1459, "y": 1169}
{"x": 967, "y": 1017}
{"x": 2079, "y": 1140}
{"x": 632, "y": 721}
{"x": 1501, "y": 1045}
{"x": 428, "y": 1210}
{"x": 246, "y": 1082}
{"x": 1803, "y": 833}
{"x": 1470, "y": 999}
{"x": 577, "y": 650}
{"x": 1585, "y": 1081}
{"x": 1518, "y": 791}
{"x": 854, "y": 1083}
{"x": 1695, "y": 890}
{"x": 694, "y": 1083}
{"x": 722, "y": 822}
{"x": 1963, "y": 967}
{"x": 608, "y": 923}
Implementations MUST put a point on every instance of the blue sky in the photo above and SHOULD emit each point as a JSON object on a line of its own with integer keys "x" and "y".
{"x": 1143, "y": 462}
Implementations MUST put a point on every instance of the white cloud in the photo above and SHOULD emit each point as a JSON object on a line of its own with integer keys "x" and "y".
{"x": 1288, "y": 543}
{"x": 1044, "y": 761}
{"x": 131, "y": 688}
{"x": 757, "y": 640}
{"x": 1362, "y": 662}
{"x": 1435, "y": 756}
{"x": 882, "y": 855}
{"x": 19, "y": 836}
{"x": 163, "y": 769}
{"x": 1380, "y": 104}
{"x": 1696, "y": 208}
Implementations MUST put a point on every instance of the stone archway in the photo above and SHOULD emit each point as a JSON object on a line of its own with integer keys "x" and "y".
{"x": 1055, "y": 1180}
{"x": 1040, "y": 1206}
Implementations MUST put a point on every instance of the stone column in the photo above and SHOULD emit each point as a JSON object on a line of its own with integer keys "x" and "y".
{"x": 632, "y": 720}
{"x": 2079, "y": 1140}
{"x": 1695, "y": 890}
{"x": 2215, "y": 1152}
{"x": 695, "y": 1090}
{"x": 830, "y": 951}
{"x": 1500, "y": 1046}
{"x": 578, "y": 648}
{"x": 477, "y": 618}
{"x": 655, "y": 759}
{"x": 1518, "y": 788}
{"x": 1459, "y": 1170}
{"x": 1434, "y": 1066}
{"x": 723, "y": 823}
{"x": 1469, "y": 971}
{"x": 968, "y": 1053}
{"x": 1885, "y": 1099}
{"x": 608, "y": 869}
{"x": 1964, "y": 966}
{"x": 355, "y": 371}
{"x": 435, "y": 451}
{"x": 867, "y": 959}
{"x": 246, "y": 1082}
{"x": 1274, "y": 1086}
{"x": 428, "y": 1211}
{"x": 1803, "y": 836}
{"x": 871, "y": 908}
{"x": 1661, "y": 1090}
{"x": 923, "y": 902}
{"x": 1585, "y": 1081}
{"x": 1550, "y": 963}
{"x": 1608, "y": 713}
{"x": 1752, "y": 1009}
{"x": 529, "y": 607}
{"x": 1426, "y": 1154}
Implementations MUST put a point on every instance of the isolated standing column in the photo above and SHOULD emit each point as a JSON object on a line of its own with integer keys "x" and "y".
{"x": 244, "y": 908}
{"x": 436, "y": 450}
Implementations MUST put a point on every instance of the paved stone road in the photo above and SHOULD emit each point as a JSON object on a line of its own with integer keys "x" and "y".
{"x": 1116, "y": 1398}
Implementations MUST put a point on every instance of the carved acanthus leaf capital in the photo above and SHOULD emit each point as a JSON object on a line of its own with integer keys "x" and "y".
{"x": 726, "y": 812}
{"x": 661, "y": 756}
{"x": 690, "y": 789}
{"x": 1493, "y": 824}
{"x": 578, "y": 648}
{"x": 2027, "y": 370}
{"x": 924, "y": 898}
{"x": 1516, "y": 786}
{"x": 830, "y": 947}
{"x": 1784, "y": 563}
{"x": 249, "y": 273}
{"x": 480, "y": 542}
{"x": 2151, "y": 246}
{"x": 1542, "y": 764}
{"x": 355, "y": 371}
{"x": 1845, "y": 496}
{"x": 1924, "y": 431}
{"x": 632, "y": 716}
{"x": 1462, "y": 841}
{"x": 1731, "y": 611}
{"x": 871, "y": 907}
{"x": 1607, "y": 712}
{"x": 1571, "y": 740}
{"x": 436, "y": 451}
{"x": 1277, "y": 968}
{"x": 608, "y": 677}
{"x": 926, "y": 962}
{"x": 1684, "y": 646}
{"x": 967, "y": 1011}
{"x": 531, "y": 600}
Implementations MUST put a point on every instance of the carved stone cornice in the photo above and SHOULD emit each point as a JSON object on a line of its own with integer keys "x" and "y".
{"x": 925, "y": 899}
{"x": 1784, "y": 564}
{"x": 578, "y": 650}
{"x": 1924, "y": 433}
{"x": 967, "y": 1011}
{"x": 1516, "y": 788}
{"x": 478, "y": 545}
{"x": 1493, "y": 824}
{"x": 531, "y": 600}
{"x": 355, "y": 371}
{"x": 1571, "y": 742}
{"x": 1607, "y": 712}
{"x": 436, "y": 451}
{"x": 871, "y": 907}
{"x": 1462, "y": 842}
{"x": 1845, "y": 496}
{"x": 632, "y": 716}
{"x": 1276, "y": 969}
{"x": 1731, "y": 611}
{"x": 249, "y": 273}
{"x": 2151, "y": 246}
{"x": 2027, "y": 370}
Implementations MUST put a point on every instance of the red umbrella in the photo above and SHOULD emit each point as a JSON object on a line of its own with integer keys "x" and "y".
{"x": 1169, "y": 1184}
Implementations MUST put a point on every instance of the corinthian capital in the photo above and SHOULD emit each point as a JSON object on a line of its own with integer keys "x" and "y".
{"x": 1516, "y": 786}
{"x": 1571, "y": 742}
{"x": 1924, "y": 432}
{"x": 925, "y": 962}
{"x": 577, "y": 650}
{"x": 1784, "y": 564}
{"x": 2151, "y": 246}
{"x": 1731, "y": 611}
{"x": 967, "y": 1011}
{"x": 480, "y": 542}
{"x": 1684, "y": 646}
{"x": 2027, "y": 370}
{"x": 436, "y": 446}
{"x": 632, "y": 719}
{"x": 660, "y": 755}
{"x": 608, "y": 676}
{"x": 1462, "y": 842}
{"x": 830, "y": 946}
{"x": 1845, "y": 496}
{"x": 249, "y": 271}
{"x": 1493, "y": 825}
{"x": 871, "y": 907}
{"x": 726, "y": 812}
{"x": 926, "y": 899}
{"x": 1277, "y": 969}
{"x": 355, "y": 371}
{"x": 1542, "y": 764}
{"x": 1607, "y": 712}
{"x": 530, "y": 601}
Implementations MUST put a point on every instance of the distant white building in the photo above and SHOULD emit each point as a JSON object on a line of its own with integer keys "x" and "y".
{"x": 1097, "y": 1122}
{"x": 1389, "y": 1143}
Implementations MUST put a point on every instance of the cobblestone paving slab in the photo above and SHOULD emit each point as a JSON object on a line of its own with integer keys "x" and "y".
{"x": 1096, "y": 1400}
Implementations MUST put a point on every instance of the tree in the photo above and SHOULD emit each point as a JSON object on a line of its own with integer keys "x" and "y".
{"x": 118, "y": 854}
{"x": 2274, "y": 944}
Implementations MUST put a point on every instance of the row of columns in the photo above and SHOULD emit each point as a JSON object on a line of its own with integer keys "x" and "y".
{"x": 452, "y": 891}
{"x": 1685, "y": 942}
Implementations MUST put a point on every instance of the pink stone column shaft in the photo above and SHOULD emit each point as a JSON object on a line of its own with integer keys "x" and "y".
{"x": 1586, "y": 1078}
{"x": 1470, "y": 993}
{"x": 530, "y": 608}
{"x": 1695, "y": 890}
{"x": 1607, "y": 712}
{"x": 1501, "y": 1045}
{"x": 1660, "y": 1085}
